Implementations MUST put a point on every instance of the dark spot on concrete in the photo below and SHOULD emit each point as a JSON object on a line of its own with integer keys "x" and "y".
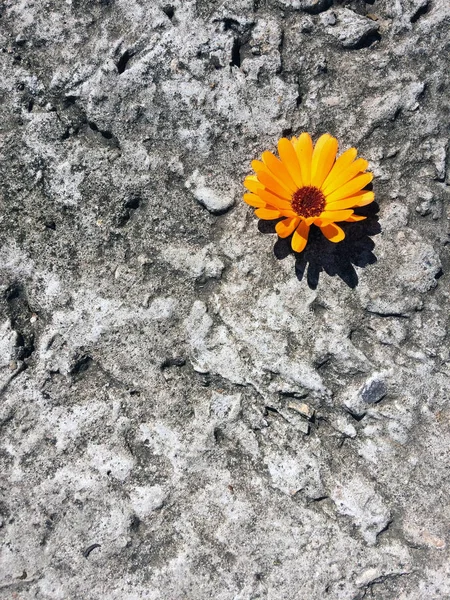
{"x": 123, "y": 60}
{"x": 89, "y": 549}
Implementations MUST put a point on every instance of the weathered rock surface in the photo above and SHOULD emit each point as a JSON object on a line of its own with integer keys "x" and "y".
{"x": 188, "y": 411}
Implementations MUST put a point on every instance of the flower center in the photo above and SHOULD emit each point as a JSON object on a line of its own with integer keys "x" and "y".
{"x": 308, "y": 201}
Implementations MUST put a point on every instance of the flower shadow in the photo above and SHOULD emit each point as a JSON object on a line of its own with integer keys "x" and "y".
{"x": 321, "y": 255}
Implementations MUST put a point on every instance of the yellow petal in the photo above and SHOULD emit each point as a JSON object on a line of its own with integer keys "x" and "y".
{"x": 279, "y": 171}
{"x": 359, "y": 166}
{"x": 286, "y": 227}
{"x": 254, "y": 201}
{"x": 336, "y": 215}
{"x": 272, "y": 184}
{"x": 350, "y": 188}
{"x": 257, "y": 165}
{"x": 252, "y": 184}
{"x": 359, "y": 199}
{"x": 332, "y": 232}
{"x": 304, "y": 149}
{"x": 320, "y": 222}
{"x": 323, "y": 159}
{"x": 276, "y": 201}
{"x": 300, "y": 237}
{"x": 289, "y": 159}
{"x": 355, "y": 218}
{"x": 267, "y": 213}
{"x": 341, "y": 163}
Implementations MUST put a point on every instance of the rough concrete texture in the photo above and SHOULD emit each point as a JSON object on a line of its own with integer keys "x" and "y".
{"x": 188, "y": 411}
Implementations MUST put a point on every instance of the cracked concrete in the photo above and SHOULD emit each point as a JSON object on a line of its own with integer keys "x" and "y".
{"x": 189, "y": 411}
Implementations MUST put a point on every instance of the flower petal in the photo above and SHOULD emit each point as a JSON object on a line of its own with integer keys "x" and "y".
{"x": 273, "y": 200}
{"x": 289, "y": 159}
{"x": 336, "y": 215}
{"x": 323, "y": 159}
{"x": 252, "y": 184}
{"x": 320, "y": 222}
{"x": 279, "y": 171}
{"x": 267, "y": 213}
{"x": 304, "y": 149}
{"x": 254, "y": 201}
{"x": 286, "y": 227}
{"x": 355, "y": 218}
{"x": 345, "y": 159}
{"x": 272, "y": 184}
{"x": 300, "y": 237}
{"x": 332, "y": 232}
{"x": 350, "y": 188}
{"x": 359, "y": 166}
{"x": 257, "y": 165}
{"x": 359, "y": 199}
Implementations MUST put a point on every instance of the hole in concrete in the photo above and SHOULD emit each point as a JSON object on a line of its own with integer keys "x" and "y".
{"x": 169, "y": 11}
{"x": 81, "y": 364}
{"x": 177, "y": 361}
{"x": 104, "y": 133}
{"x": 357, "y": 416}
{"x": 422, "y": 11}
{"x": 69, "y": 100}
{"x": 236, "y": 53}
{"x": 218, "y": 435}
{"x": 129, "y": 205}
{"x": 123, "y": 61}
{"x": 133, "y": 203}
{"x": 231, "y": 24}
{"x": 13, "y": 291}
{"x": 367, "y": 40}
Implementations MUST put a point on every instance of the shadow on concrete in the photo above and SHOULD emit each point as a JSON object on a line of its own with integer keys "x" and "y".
{"x": 321, "y": 255}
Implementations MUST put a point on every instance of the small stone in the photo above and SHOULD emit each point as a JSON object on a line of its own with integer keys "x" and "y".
{"x": 225, "y": 407}
{"x": 424, "y": 208}
{"x": 217, "y": 202}
{"x": 328, "y": 18}
{"x": 342, "y": 424}
{"x": 373, "y": 390}
{"x": 310, "y": 6}
{"x": 302, "y": 408}
{"x": 294, "y": 419}
{"x": 352, "y": 29}
{"x": 306, "y": 25}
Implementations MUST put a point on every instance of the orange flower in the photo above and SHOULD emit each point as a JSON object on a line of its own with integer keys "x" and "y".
{"x": 308, "y": 186}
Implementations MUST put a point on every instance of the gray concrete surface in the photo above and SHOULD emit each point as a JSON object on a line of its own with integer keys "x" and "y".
{"x": 187, "y": 412}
